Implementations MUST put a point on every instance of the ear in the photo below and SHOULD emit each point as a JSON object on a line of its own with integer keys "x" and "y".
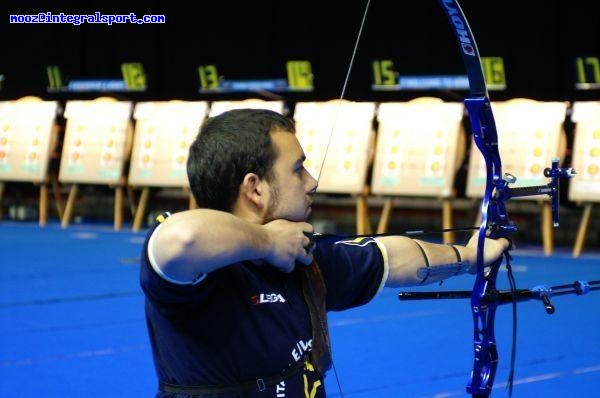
{"x": 253, "y": 189}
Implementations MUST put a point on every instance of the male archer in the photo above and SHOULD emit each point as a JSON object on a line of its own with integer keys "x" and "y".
{"x": 237, "y": 291}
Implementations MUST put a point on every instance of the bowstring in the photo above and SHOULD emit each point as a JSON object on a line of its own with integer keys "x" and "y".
{"x": 335, "y": 118}
{"x": 344, "y": 86}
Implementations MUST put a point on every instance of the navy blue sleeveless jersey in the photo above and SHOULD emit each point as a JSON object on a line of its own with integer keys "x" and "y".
{"x": 245, "y": 322}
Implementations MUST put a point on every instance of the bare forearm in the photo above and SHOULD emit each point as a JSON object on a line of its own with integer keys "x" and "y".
{"x": 413, "y": 262}
{"x": 202, "y": 240}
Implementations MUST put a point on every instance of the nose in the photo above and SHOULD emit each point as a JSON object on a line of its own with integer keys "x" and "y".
{"x": 312, "y": 184}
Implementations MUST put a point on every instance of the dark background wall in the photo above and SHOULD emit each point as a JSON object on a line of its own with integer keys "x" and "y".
{"x": 253, "y": 39}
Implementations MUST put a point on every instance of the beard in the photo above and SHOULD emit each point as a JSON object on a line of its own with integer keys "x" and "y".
{"x": 273, "y": 203}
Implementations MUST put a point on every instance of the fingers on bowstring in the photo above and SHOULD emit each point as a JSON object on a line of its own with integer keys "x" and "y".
{"x": 310, "y": 246}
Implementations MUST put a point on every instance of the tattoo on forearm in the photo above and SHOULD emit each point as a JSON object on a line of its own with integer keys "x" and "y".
{"x": 443, "y": 271}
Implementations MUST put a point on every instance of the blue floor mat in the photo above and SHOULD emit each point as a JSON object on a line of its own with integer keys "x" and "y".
{"x": 72, "y": 323}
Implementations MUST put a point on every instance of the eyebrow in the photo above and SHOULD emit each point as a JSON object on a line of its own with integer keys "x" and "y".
{"x": 300, "y": 161}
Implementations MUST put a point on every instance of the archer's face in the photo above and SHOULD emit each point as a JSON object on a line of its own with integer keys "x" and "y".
{"x": 292, "y": 186}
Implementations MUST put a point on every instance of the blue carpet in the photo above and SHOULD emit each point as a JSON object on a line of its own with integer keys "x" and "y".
{"x": 72, "y": 323}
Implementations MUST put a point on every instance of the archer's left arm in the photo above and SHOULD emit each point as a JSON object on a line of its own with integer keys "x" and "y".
{"x": 414, "y": 262}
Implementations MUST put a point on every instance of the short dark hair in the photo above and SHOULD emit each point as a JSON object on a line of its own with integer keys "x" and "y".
{"x": 228, "y": 147}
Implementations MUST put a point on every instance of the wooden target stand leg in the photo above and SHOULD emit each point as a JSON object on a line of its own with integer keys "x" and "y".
{"x": 582, "y": 231}
{"x": 118, "y": 211}
{"x": 447, "y": 220}
{"x": 66, "y": 218}
{"x": 140, "y": 211}
{"x": 43, "y": 205}
{"x": 52, "y": 182}
{"x": 363, "y": 223}
{"x": 547, "y": 228}
{"x": 386, "y": 212}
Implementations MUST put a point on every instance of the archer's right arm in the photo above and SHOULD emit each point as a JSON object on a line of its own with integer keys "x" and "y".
{"x": 195, "y": 242}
